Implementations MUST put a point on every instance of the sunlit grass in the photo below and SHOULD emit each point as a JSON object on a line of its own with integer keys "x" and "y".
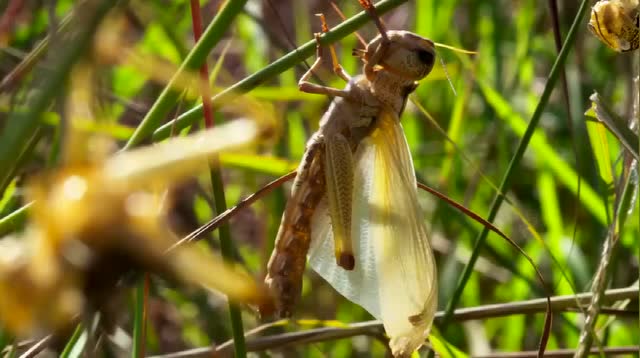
{"x": 565, "y": 187}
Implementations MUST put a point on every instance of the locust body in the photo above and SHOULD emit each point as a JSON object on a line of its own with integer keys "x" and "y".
{"x": 350, "y": 122}
{"x": 329, "y": 189}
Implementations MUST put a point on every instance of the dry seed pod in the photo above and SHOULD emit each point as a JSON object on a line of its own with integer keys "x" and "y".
{"x": 617, "y": 24}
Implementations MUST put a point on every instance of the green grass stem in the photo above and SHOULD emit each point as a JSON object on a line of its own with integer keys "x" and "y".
{"x": 21, "y": 126}
{"x": 196, "y": 57}
{"x": 277, "y": 67}
{"x": 515, "y": 161}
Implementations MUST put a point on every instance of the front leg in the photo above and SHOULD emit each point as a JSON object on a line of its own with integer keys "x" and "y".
{"x": 338, "y": 168}
{"x": 305, "y": 86}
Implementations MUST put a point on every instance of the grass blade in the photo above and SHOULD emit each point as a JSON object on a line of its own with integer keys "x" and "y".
{"x": 284, "y": 63}
{"x": 194, "y": 60}
{"x": 22, "y": 126}
{"x": 226, "y": 244}
{"x": 522, "y": 146}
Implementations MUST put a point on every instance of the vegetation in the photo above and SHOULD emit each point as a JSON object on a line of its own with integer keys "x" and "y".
{"x": 502, "y": 131}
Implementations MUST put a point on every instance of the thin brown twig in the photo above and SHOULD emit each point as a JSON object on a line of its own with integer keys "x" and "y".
{"x": 229, "y": 213}
{"x": 335, "y": 7}
{"x": 205, "y": 91}
{"x": 30, "y": 60}
{"x": 373, "y": 328}
{"x": 561, "y": 353}
{"x": 490, "y": 226}
{"x": 37, "y": 348}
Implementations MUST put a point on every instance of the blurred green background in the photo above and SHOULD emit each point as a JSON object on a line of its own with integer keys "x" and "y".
{"x": 496, "y": 93}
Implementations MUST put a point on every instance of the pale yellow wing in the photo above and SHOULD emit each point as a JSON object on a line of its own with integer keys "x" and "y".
{"x": 395, "y": 273}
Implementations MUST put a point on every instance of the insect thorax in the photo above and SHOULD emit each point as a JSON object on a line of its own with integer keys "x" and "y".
{"x": 355, "y": 115}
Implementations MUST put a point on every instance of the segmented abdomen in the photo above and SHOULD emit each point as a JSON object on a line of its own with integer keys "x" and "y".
{"x": 287, "y": 263}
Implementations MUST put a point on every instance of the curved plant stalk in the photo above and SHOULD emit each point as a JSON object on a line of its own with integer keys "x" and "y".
{"x": 71, "y": 343}
{"x": 12, "y": 78}
{"x": 627, "y": 134}
{"x": 332, "y": 330}
{"x": 515, "y": 161}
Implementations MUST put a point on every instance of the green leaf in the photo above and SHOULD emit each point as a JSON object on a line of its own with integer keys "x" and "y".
{"x": 444, "y": 348}
{"x": 615, "y": 124}
{"x": 546, "y": 153}
{"x": 258, "y": 163}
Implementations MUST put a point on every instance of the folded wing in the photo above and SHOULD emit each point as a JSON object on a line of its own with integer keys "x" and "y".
{"x": 395, "y": 274}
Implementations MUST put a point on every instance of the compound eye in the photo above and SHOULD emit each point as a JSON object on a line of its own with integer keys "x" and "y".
{"x": 426, "y": 57}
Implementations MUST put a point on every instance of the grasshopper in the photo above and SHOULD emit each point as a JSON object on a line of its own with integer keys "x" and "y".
{"x": 353, "y": 205}
{"x": 617, "y": 24}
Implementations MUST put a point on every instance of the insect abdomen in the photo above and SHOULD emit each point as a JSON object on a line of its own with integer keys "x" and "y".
{"x": 288, "y": 260}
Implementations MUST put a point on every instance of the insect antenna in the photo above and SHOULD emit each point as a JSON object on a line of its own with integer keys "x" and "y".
{"x": 446, "y": 73}
{"x": 287, "y": 35}
{"x": 444, "y": 67}
{"x": 455, "y": 49}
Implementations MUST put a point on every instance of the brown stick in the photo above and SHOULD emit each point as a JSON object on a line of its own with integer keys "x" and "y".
{"x": 374, "y": 328}
{"x": 229, "y": 213}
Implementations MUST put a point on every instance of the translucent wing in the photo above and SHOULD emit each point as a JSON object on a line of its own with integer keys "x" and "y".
{"x": 395, "y": 274}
